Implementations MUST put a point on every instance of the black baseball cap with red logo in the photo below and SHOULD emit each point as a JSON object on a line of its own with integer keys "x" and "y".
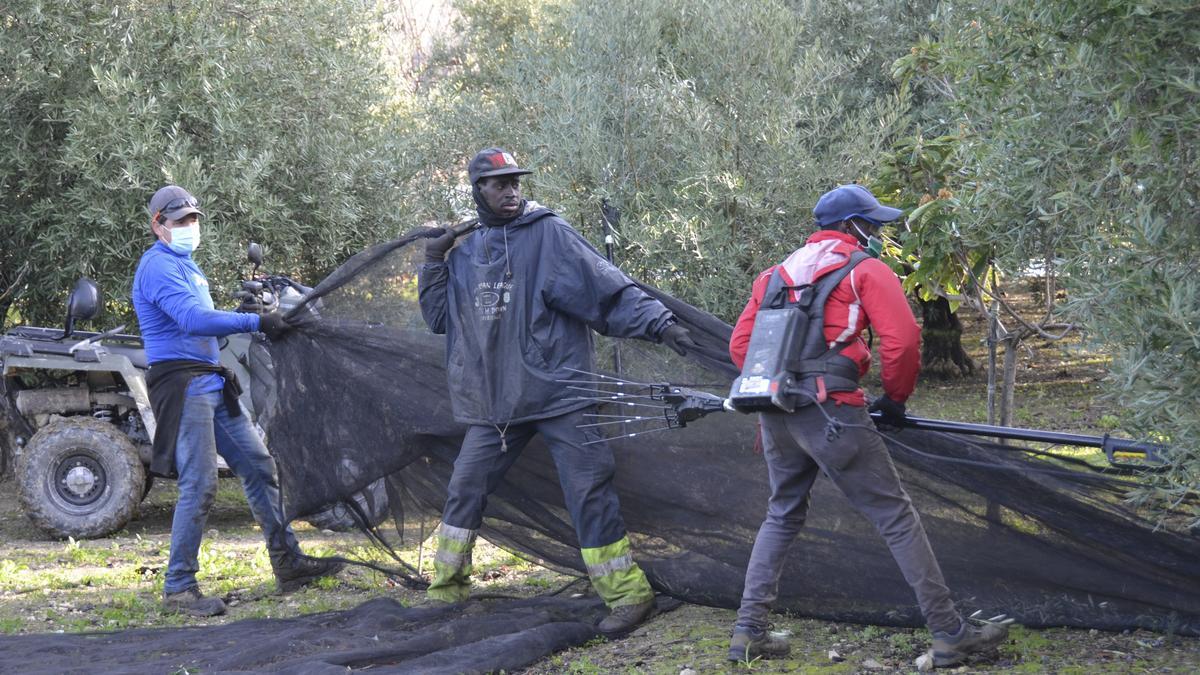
{"x": 493, "y": 162}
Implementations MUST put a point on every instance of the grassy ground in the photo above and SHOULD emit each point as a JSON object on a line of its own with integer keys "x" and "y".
{"x": 115, "y": 583}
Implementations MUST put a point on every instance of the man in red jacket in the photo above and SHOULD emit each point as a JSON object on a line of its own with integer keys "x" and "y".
{"x": 796, "y": 446}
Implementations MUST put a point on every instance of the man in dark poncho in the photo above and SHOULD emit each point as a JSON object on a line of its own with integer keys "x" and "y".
{"x": 797, "y": 445}
{"x": 517, "y": 301}
{"x": 196, "y": 407}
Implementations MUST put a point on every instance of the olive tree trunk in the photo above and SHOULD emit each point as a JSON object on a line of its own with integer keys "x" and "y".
{"x": 942, "y": 353}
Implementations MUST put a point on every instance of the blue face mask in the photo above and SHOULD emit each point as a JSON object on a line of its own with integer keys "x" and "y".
{"x": 185, "y": 239}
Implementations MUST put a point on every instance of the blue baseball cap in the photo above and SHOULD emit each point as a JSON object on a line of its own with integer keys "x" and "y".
{"x": 173, "y": 203}
{"x": 848, "y": 201}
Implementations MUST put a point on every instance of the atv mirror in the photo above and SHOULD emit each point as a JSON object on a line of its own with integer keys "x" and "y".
{"x": 83, "y": 303}
{"x": 254, "y": 253}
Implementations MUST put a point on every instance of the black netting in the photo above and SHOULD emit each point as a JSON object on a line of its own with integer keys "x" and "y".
{"x": 362, "y": 394}
{"x": 359, "y": 392}
{"x": 380, "y": 635}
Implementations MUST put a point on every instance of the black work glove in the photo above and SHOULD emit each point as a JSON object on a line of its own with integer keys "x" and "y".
{"x": 436, "y": 248}
{"x": 273, "y": 325}
{"x": 891, "y": 412}
{"x": 678, "y": 338}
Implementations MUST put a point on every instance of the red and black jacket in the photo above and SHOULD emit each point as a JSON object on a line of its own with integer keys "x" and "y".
{"x": 870, "y": 295}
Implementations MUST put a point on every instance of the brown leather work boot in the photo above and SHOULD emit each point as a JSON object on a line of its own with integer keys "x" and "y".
{"x": 296, "y": 571}
{"x": 625, "y": 618}
{"x": 192, "y": 601}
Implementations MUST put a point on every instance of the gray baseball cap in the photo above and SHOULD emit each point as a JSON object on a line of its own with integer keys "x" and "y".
{"x": 173, "y": 203}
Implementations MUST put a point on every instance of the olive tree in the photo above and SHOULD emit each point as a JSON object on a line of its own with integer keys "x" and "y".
{"x": 1079, "y": 126}
{"x": 711, "y": 125}
{"x": 277, "y": 117}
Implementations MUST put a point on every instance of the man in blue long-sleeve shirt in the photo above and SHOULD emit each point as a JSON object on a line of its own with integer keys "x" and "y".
{"x": 195, "y": 404}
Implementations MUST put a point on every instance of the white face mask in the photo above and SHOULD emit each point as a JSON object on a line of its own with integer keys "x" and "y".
{"x": 185, "y": 239}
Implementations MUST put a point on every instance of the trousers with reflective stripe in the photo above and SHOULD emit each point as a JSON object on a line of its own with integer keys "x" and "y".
{"x": 585, "y": 473}
{"x": 452, "y": 564}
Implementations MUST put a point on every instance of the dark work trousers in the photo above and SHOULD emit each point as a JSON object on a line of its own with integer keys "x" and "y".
{"x": 584, "y": 471}
{"x": 857, "y": 461}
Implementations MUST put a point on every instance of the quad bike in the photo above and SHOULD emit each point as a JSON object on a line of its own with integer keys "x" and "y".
{"x": 75, "y": 414}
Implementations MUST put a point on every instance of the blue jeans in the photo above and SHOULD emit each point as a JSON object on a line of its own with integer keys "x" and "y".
{"x": 205, "y": 429}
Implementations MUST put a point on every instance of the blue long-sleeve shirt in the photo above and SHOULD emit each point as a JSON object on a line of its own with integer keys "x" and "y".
{"x": 176, "y": 313}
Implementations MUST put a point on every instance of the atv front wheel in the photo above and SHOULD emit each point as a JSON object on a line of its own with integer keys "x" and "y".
{"x": 80, "y": 477}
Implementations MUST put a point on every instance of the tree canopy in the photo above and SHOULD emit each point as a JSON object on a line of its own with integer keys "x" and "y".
{"x": 713, "y": 125}
{"x": 276, "y": 120}
{"x": 1071, "y": 134}
{"x": 1025, "y": 137}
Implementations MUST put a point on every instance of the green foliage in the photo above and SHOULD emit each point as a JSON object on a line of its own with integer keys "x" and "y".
{"x": 712, "y": 125}
{"x": 1079, "y": 126}
{"x": 275, "y": 120}
{"x": 939, "y": 255}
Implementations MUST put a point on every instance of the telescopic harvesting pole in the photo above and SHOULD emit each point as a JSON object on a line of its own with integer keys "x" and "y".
{"x": 1110, "y": 445}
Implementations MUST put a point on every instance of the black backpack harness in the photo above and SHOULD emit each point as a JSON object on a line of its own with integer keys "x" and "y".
{"x": 788, "y": 363}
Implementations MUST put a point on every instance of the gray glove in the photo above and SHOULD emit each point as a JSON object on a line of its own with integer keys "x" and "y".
{"x": 273, "y": 325}
{"x": 436, "y": 248}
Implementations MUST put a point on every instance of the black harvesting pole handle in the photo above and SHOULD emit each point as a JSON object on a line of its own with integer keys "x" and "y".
{"x": 464, "y": 227}
{"x": 1109, "y": 444}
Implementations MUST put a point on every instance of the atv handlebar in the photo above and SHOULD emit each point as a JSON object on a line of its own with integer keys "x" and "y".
{"x": 262, "y": 294}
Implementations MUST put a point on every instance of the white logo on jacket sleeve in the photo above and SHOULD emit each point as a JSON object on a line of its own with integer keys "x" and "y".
{"x": 202, "y": 291}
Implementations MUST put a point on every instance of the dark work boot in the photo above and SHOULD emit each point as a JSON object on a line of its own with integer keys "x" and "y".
{"x": 192, "y": 601}
{"x": 953, "y": 649}
{"x": 748, "y": 644}
{"x": 294, "y": 571}
{"x": 625, "y": 618}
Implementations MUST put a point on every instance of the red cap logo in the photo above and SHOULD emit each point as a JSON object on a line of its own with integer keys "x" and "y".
{"x": 501, "y": 160}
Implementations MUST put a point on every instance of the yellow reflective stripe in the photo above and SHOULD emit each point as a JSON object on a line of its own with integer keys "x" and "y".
{"x": 452, "y": 559}
{"x": 601, "y": 554}
{"x": 456, "y": 533}
{"x": 622, "y": 562}
{"x": 454, "y": 545}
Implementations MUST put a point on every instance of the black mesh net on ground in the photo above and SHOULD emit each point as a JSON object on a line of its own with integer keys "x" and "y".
{"x": 380, "y": 635}
{"x": 366, "y": 396}
{"x": 359, "y": 392}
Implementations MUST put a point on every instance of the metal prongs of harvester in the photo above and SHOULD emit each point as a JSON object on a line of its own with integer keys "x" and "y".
{"x": 647, "y": 406}
{"x": 1002, "y": 619}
